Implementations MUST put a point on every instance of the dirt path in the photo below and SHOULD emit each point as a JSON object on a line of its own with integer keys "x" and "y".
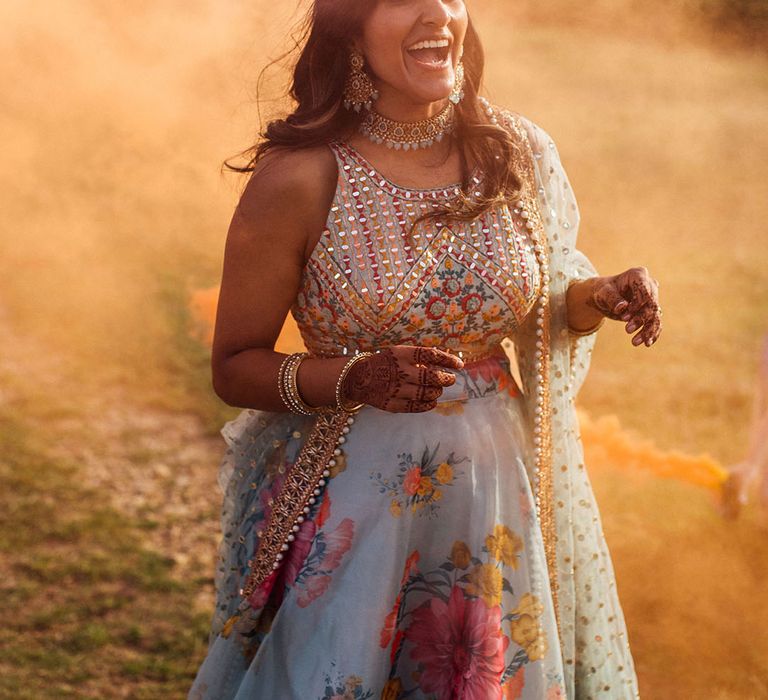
{"x": 153, "y": 465}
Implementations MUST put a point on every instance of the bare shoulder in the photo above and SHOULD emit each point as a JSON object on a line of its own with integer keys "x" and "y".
{"x": 290, "y": 191}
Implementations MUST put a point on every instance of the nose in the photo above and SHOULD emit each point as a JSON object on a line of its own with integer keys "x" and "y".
{"x": 435, "y": 13}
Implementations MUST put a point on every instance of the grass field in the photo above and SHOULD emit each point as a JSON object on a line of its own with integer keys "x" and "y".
{"x": 115, "y": 212}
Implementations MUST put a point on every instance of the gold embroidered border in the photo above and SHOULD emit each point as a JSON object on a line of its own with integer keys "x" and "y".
{"x": 545, "y": 485}
{"x": 298, "y": 488}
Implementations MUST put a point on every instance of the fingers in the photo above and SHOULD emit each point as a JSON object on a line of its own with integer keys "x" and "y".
{"x": 417, "y": 355}
{"x": 648, "y": 320}
{"x": 421, "y": 378}
{"x": 428, "y": 376}
{"x": 608, "y": 300}
{"x": 399, "y": 405}
{"x": 640, "y": 311}
{"x": 640, "y": 288}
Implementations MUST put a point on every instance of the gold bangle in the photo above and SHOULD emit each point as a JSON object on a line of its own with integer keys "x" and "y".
{"x": 288, "y": 385}
{"x": 588, "y": 331}
{"x": 340, "y": 381}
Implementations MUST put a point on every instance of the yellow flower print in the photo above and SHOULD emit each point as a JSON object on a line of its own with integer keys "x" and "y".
{"x": 392, "y": 689}
{"x": 415, "y": 321}
{"x": 486, "y": 582}
{"x": 469, "y": 278}
{"x": 461, "y": 557}
{"x": 340, "y": 466}
{"x": 444, "y": 473}
{"x": 526, "y": 630}
{"x": 425, "y": 486}
{"x": 504, "y": 545}
{"x": 454, "y": 312}
{"x": 492, "y": 313}
{"x": 351, "y": 684}
{"x": 529, "y": 605}
{"x": 395, "y": 508}
{"x": 437, "y": 494}
{"x": 470, "y": 337}
{"x": 449, "y": 264}
{"x": 538, "y": 650}
{"x": 450, "y": 408}
{"x": 228, "y": 625}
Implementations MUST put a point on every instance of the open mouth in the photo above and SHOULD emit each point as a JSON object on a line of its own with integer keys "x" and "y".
{"x": 433, "y": 52}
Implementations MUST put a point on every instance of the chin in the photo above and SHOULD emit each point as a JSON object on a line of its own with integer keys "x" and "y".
{"x": 428, "y": 91}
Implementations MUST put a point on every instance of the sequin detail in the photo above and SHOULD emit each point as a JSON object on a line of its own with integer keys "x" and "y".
{"x": 368, "y": 284}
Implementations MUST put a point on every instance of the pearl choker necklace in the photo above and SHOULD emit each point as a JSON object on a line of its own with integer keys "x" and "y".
{"x": 408, "y": 135}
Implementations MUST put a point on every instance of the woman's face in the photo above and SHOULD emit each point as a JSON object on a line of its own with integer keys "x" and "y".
{"x": 413, "y": 46}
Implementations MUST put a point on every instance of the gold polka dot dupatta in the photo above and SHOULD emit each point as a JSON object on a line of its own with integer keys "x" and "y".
{"x": 593, "y": 637}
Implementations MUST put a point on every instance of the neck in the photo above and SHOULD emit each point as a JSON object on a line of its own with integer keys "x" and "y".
{"x": 398, "y": 109}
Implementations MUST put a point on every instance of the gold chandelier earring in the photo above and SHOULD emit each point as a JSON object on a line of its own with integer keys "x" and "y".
{"x": 359, "y": 90}
{"x": 457, "y": 94}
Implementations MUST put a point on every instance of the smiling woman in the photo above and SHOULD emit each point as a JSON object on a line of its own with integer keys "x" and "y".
{"x": 401, "y": 519}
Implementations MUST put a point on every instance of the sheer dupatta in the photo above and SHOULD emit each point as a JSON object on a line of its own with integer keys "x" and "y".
{"x": 593, "y": 638}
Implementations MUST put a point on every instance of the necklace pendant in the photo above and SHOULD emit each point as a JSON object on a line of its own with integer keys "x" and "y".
{"x": 409, "y": 135}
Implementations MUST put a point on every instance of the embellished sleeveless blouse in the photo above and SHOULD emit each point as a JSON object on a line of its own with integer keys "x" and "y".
{"x": 372, "y": 282}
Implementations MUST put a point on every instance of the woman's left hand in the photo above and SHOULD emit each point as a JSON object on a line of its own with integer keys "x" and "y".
{"x": 633, "y": 297}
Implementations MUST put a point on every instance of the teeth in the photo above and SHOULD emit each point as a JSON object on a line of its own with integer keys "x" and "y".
{"x": 432, "y": 44}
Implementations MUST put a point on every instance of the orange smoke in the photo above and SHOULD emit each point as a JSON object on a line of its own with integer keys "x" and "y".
{"x": 202, "y": 310}
{"x": 610, "y": 445}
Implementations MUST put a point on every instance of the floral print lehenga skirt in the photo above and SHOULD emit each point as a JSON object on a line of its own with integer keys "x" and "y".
{"x": 419, "y": 572}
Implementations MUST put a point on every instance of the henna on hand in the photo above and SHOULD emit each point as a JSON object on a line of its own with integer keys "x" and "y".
{"x": 374, "y": 380}
{"x": 401, "y": 379}
{"x": 434, "y": 377}
{"x": 631, "y": 296}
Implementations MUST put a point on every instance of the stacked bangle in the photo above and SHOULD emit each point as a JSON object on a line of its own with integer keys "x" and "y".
{"x": 340, "y": 382}
{"x": 288, "y": 386}
{"x": 588, "y": 331}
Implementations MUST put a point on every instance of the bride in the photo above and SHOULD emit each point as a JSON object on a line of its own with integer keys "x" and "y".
{"x": 402, "y": 517}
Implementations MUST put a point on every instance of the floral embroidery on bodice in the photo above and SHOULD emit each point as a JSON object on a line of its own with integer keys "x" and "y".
{"x": 462, "y": 286}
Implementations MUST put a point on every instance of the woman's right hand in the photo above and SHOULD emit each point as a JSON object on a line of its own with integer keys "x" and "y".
{"x": 401, "y": 379}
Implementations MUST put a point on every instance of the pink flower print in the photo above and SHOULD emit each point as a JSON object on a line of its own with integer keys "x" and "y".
{"x": 385, "y": 636}
{"x": 325, "y": 510}
{"x": 461, "y": 648}
{"x": 412, "y": 480}
{"x": 315, "y": 576}
{"x": 389, "y": 622}
{"x": 258, "y": 599}
{"x": 555, "y": 692}
{"x": 487, "y": 370}
{"x": 299, "y": 551}
{"x": 313, "y": 588}
{"x": 337, "y": 544}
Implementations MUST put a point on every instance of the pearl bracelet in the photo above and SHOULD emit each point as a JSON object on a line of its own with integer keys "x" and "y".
{"x": 340, "y": 381}
{"x": 288, "y": 387}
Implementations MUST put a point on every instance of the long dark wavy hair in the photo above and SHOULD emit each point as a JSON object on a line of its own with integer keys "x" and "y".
{"x": 324, "y": 43}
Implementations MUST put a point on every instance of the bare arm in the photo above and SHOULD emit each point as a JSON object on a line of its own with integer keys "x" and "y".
{"x": 278, "y": 221}
{"x": 279, "y": 218}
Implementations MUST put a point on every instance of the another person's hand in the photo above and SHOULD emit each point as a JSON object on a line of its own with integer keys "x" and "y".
{"x": 633, "y": 297}
{"x": 401, "y": 379}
